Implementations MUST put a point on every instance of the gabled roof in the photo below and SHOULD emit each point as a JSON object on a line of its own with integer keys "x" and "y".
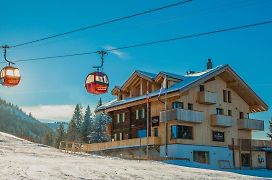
{"x": 191, "y": 80}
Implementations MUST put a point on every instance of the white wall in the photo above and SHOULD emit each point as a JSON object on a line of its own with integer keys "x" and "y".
{"x": 186, "y": 151}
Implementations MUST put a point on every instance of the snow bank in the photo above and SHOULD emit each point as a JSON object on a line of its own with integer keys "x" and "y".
{"x": 21, "y": 159}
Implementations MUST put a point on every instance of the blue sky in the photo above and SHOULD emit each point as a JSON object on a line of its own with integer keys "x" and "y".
{"x": 60, "y": 83}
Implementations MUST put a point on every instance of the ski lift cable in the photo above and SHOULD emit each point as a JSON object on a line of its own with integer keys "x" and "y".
{"x": 152, "y": 42}
{"x": 103, "y": 23}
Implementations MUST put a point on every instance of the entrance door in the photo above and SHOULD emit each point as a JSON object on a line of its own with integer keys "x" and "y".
{"x": 269, "y": 160}
{"x": 245, "y": 157}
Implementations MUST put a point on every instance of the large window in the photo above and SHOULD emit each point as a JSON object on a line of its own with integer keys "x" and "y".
{"x": 121, "y": 117}
{"x": 202, "y": 157}
{"x": 181, "y": 132}
{"x": 177, "y": 105}
{"x": 218, "y": 136}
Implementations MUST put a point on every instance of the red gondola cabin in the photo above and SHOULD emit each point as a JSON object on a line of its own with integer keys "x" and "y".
{"x": 97, "y": 83}
{"x": 10, "y": 76}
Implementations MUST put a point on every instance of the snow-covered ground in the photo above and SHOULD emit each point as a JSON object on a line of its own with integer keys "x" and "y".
{"x": 20, "y": 159}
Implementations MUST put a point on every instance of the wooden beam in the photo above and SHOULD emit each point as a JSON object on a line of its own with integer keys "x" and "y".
{"x": 232, "y": 84}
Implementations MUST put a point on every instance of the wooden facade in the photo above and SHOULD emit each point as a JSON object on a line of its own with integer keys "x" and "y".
{"x": 214, "y": 104}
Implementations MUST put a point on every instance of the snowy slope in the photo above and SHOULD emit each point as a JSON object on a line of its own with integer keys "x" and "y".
{"x": 20, "y": 159}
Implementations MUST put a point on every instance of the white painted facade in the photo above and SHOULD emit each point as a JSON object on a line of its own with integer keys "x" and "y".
{"x": 216, "y": 154}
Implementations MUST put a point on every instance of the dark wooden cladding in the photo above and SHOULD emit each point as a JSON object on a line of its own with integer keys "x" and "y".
{"x": 131, "y": 125}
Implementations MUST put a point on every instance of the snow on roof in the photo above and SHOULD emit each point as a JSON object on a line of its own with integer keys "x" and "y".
{"x": 187, "y": 80}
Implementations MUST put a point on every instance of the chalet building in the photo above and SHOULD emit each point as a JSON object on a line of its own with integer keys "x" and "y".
{"x": 204, "y": 117}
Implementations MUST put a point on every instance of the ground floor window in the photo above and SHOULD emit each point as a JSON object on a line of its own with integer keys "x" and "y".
{"x": 181, "y": 132}
{"x": 156, "y": 132}
{"x": 245, "y": 157}
{"x": 201, "y": 157}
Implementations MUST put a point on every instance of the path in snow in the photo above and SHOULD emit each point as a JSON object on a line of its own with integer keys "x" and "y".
{"x": 20, "y": 159}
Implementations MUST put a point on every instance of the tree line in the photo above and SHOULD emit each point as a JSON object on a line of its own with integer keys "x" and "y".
{"x": 84, "y": 127}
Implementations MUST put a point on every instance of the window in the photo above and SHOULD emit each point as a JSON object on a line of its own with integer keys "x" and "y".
{"x": 218, "y": 136}
{"x": 156, "y": 132}
{"x": 16, "y": 73}
{"x": 190, "y": 106}
{"x": 219, "y": 111}
{"x": 181, "y": 132}
{"x": 140, "y": 113}
{"x": 229, "y": 113}
{"x": 242, "y": 115}
{"x": 155, "y": 121}
{"x": 121, "y": 117}
{"x": 177, "y": 105}
{"x": 224, "y": 95}
{"x": 201, "y": 88}
{"x": 9, "y": 72}
{"x": 245, "y": 159}
{"x": 90, "y": 79}
{"x": 202, "y": 157}
{"x": 229, "y": 96}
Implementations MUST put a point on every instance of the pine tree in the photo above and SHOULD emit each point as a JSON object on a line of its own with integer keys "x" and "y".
{"x": 48, "y": 139}
{"x": 78, "y": 116}
{"x": 99, "y": 133}
{"x": 86, "y": 125}
{"x": 270, "y": 129}
{"x": 73, "y": 134}
{"x": 60, "y": 135}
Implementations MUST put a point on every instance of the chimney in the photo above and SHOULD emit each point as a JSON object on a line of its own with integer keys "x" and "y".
{"x": 209, "y": 64}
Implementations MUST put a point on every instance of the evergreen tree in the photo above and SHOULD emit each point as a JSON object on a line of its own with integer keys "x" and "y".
{"x": 48, "y": 140}
{"x": 270, "y": 129}
{"x": 99, "y": 133}
{"x": 86, "y": 125}
{"x": 73, "y": 134}
{"x": 78, "y": 116}
{"x": 60, "y": 135}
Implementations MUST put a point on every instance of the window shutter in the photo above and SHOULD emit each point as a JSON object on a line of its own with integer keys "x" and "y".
{"x": 143, "y": 113}
{"x": 118, "y": 118}
{"x": 137, "y": 114}
{"x": 124, "y": 117}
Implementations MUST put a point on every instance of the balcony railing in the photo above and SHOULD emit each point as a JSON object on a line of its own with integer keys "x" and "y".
{"x": 253, "y": 144}
{"x": 221, "y": 120}
{"x": 121, "y": 144}
{"x": 250, "y": 124}
{"x": 183, "y": 115}
{"x": 206, "y": 97}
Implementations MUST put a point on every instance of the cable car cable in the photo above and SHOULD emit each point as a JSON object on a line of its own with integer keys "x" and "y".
{"x": 152, "y": 42}
{"x": 103, "y": 23}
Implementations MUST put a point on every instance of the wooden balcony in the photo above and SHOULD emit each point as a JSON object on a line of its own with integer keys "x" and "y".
{"x": 206, "y": 97}
{"x": 182, "y": 115}
{"x": 121, "y": 144}
{"x": 250, "y": 124}
{"x": 221, "y": 120}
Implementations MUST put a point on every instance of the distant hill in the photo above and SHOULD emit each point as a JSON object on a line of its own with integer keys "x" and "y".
{"x": 14, "y": 121}
{"x": 55, "y": 125}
